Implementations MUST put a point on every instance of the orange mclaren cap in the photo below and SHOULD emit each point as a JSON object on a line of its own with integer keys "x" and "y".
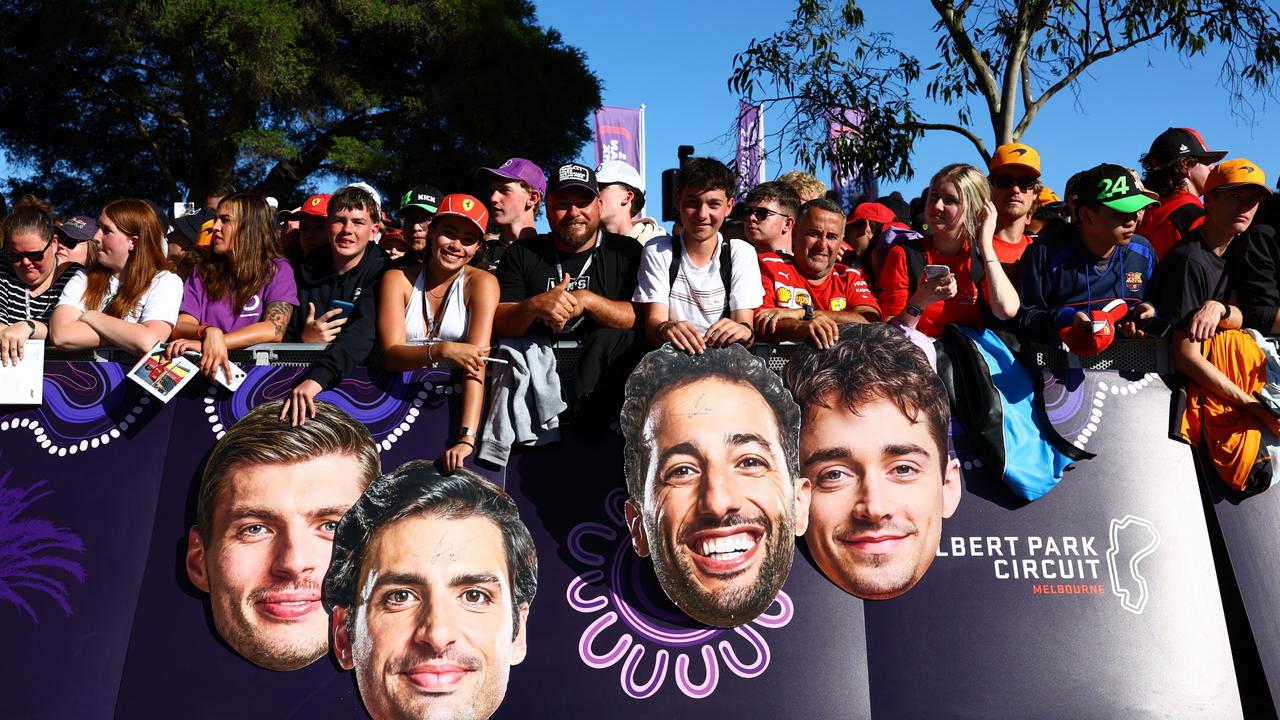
{"x": 1016, "y": 154}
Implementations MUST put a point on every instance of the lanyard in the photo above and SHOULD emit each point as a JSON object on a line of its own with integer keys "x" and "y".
{"x": 444, "y": 302}
{"x": 585, "y": 266}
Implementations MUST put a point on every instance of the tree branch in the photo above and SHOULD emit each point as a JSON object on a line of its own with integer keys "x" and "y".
{"x": 984, "y": 78}
{"x": 966, "y": 132}
{"x": 1089, "y": 59}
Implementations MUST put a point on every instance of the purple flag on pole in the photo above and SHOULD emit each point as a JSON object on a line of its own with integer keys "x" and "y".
{"x": 620, "y": 136}
{"x": 750, "y": 157}
{"x": 850, "y": 183}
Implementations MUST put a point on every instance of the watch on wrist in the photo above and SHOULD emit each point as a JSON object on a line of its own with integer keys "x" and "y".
{"x": 914, "y": 311}
{"x": 31, "y": 324}
{"x": 808, "y": 311}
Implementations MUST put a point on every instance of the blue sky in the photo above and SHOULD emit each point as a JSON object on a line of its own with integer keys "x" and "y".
{"x": 676, "y": 56}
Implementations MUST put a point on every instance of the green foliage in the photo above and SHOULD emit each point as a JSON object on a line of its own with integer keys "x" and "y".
{"x": 161, "y": 99}
{"x": 1010, "y": 56}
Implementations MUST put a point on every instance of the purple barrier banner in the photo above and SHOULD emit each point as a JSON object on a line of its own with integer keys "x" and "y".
{"x": 1097, "y": 600}
{"x": 1101, "y": 595}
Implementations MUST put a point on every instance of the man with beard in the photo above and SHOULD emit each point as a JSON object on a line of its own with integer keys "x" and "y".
{"x": 812, "y": 295}
{"x": 874, "y": 416}
{"x": 575, "y": 283}
{"x": 1015, "y": 185}
{"x": 269, "y": 501}
{"x": 714, "y": 495}
{"x": 429, "y": 587}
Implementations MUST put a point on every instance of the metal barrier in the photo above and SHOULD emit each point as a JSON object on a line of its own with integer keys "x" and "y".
{"x": 1124, "y": 355}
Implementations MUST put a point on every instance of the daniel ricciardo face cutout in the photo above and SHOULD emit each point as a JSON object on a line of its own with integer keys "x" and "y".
{"x": 266, "y": 553}
{"x": 720, "y": 509}
{"x": 881, "y": 487}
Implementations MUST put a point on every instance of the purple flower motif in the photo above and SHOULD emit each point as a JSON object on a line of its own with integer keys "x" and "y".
{"x": 632, "y": 625}
{"x": 33, "y": 552}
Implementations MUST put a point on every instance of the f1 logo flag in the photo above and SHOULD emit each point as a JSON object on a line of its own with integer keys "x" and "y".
{"x": 620, "y": 136}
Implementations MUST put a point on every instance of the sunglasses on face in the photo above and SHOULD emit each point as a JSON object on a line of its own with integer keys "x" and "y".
{"x": 1004, "y": 182}
{"x": 34, "y": 256}
{"x": 761, "y": 214}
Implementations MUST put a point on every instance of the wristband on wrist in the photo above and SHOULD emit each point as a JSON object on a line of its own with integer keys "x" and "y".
{"x": 200, "y": 331}
{"x": 31, "y": 324}
{"x": 750, "y": 329}
{"x": 466, "y": 442}
{"x": 914, "y": 310}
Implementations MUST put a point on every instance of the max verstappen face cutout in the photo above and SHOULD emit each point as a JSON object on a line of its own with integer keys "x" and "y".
{"x": 873, "y": 441}
{"x": 714, "y": 497}
{"x": 429, "y": 590}
{"x": 269, "y": 502}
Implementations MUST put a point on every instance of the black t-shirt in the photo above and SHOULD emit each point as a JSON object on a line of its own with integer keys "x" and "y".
{"x": 1254, "y": 263}
{"x": 1188, "y": 276}
{"x": 529, "y": 268}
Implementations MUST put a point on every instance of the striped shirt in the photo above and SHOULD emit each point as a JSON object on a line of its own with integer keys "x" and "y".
{"x": 16, "y": 301}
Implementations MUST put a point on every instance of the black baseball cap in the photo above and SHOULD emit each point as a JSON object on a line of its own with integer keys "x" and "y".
{"x": 187, "y": 227}
{"x": 1179, "y": 142}
{"x": 423, "y": 197}
{"x": 77, "y": 229}
{"x": 573, "y": 175}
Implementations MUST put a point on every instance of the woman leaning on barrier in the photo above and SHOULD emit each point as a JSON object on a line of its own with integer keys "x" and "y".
{"x": 959, "y": 269}
{"x": 129, "y": 295}
{"x": 242, "y": 290}
{"x": 32, "y": 276}
{"x": 442, "y": 309}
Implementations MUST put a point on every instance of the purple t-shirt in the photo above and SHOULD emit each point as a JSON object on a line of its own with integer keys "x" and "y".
{"x": 281, "y": 288}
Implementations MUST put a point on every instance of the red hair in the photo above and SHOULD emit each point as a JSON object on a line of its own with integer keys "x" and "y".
{"x": 136, "y": 218}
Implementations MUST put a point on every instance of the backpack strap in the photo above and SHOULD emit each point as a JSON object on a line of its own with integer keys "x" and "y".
{"x": 915, "y": 263}
{"x": 726, "y": 269}
{"x": 726, "y": 274}
{"x": 674, "y": 269}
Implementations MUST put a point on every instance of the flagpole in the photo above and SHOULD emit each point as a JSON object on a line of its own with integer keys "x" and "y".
{"x": 643, "y": 153}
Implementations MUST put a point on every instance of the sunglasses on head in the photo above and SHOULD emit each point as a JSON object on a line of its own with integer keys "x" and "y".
{"x": 761, "y": 213}
{"x": 1005, "y": 181}
{"x": 34, "y": 256}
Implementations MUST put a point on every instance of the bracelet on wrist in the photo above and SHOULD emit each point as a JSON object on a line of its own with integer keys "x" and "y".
{"x": 466, "y": 442}
{"x": 200, "y": 331}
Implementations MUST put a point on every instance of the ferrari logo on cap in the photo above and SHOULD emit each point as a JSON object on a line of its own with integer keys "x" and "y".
{"x": 467, "y": 204}
{"x": 315, "y": 201}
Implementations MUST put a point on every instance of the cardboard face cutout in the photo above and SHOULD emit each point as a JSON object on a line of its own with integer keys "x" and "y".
{"x": 714, "y": 497}
{"x": 270, "y": 499}
{"x": 873, "y": 442}
{"x": 429, "y": 589}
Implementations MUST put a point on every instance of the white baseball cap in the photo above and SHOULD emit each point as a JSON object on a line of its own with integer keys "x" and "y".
{"x": 617, "y": 171}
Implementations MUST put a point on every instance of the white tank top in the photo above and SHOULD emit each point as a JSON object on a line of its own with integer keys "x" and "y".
{"x": 453, "y": 323}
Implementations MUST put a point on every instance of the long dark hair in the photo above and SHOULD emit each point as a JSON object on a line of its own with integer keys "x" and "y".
{"x": 249, "y": 263}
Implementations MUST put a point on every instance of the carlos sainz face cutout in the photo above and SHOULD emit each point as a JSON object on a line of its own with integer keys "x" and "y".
{"x": 714, "y": 497}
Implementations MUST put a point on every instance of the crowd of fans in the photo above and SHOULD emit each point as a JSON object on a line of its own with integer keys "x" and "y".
{"x": 1180, "y": 248}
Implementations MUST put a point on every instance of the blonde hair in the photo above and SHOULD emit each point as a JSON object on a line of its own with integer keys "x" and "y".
{"x": 806, "y": 185}
{"x": 971, "y": 183}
